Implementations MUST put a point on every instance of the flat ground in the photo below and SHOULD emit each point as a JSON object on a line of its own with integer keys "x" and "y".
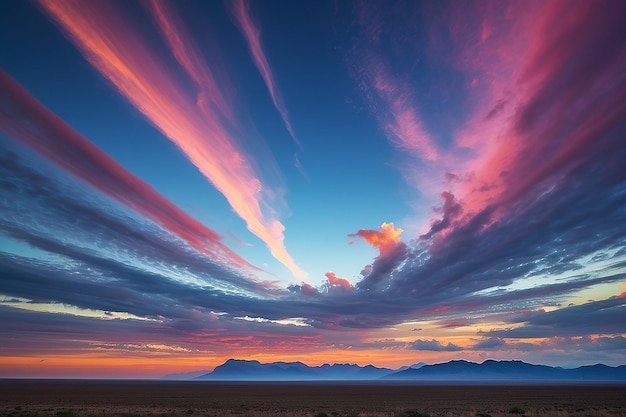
{"x": 204, "y": 399}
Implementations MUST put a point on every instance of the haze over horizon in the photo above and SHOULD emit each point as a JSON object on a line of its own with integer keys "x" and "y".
{"x": 368, "y": 182}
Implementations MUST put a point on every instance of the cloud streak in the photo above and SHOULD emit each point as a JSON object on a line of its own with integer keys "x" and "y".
{"x": 252, "y": 34}
{"x": 529, "y": 202}
{"x": 61, "y": 218}
{"x": 391, "y": 98}
{"x": 121, "y": 55}
{"x": 211, "y": 97}
{"x": 27, "y": 121}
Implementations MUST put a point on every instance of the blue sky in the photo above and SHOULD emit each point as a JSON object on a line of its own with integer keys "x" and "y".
{"x": 375, "y": 182}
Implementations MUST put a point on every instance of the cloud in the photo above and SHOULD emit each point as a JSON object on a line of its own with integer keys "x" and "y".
{"x": 492, "y": 343}
{"x": 392, "y": 99}
{"x": 450, "y": 211}
{"x": 556, "y": 345}
{"x": 548, "y": 136}
{"x": 402, "y": 126}
{"x": 534, "y": 207}
{"x": 392, "y": 253}
{"x": 210, "y": 82}
{"x": 335, "y": 283}
{"x": 385, "y": 239}
{"x": 111, "y": 44}
{"x": 522, "y": 234}
{"x": 59, "y": 216}
{"x": 252, "y": 34}
{"x": 595, "y": 317}
{"x": 434, "y": 345}
{"x": 31, "y": 333}
{"x": 516, "y": 229}
{"x": 304, "y": 289}
{"x": 27, "y": 121}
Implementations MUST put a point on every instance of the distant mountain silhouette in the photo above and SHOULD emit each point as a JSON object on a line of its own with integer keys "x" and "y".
{"x": 508, "y": 371}
{"x": 235, "y": 369}
{"x": 458, "y": 370}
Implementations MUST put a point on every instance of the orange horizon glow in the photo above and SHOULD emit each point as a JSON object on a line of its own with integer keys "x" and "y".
{"x": 124, "y": 365}
{"x": 138, "y": 365}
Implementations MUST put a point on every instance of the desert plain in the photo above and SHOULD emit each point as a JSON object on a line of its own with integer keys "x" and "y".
{"x": 44, "y": 398}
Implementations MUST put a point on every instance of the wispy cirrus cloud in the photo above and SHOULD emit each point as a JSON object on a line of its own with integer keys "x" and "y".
{"x": 27, "y": 121}
{"x": 391, "y": 98}
{"x": 386, "y": 238}
{"x": 113, "y": 46}
{"x": 82, "y": 229}
{"x": 252, "y": 33}
{"x": 213, "y": 95}
{"x": 527, "y": 197}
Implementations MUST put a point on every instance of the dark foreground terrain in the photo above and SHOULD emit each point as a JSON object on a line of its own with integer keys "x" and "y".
{"x": 200, "y": 399}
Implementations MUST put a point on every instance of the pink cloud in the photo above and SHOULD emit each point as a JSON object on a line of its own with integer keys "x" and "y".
{"x": 403, "y": 125}
{"x": 211, "y": 96}
{"x": 560, "y": 95}
{"x": 29, "y": 122}
{"x": 115, "y": 49}
{"x": 308, "y": 289}
{"x": 537, "y": 96}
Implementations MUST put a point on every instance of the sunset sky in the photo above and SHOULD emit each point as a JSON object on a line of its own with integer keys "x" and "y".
{"x": 317, "y": 181}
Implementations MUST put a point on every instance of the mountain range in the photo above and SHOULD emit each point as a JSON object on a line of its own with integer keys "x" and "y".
{"x": 234, "y": 369}
{"x": 457, "y": 370}
{"x": 491, "y": 370}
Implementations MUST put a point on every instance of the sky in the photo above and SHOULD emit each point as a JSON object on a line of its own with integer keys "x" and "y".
{"x": 370, "y": 182}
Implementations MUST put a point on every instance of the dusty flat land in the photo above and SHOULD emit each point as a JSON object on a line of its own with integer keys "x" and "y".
{"x": 204, "y": 399}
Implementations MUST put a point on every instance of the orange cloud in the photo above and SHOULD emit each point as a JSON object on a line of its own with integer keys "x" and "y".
{"x": 335, "y": 282}
{"x": 121, "y": 55}
{"x": 385, "y": 238}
